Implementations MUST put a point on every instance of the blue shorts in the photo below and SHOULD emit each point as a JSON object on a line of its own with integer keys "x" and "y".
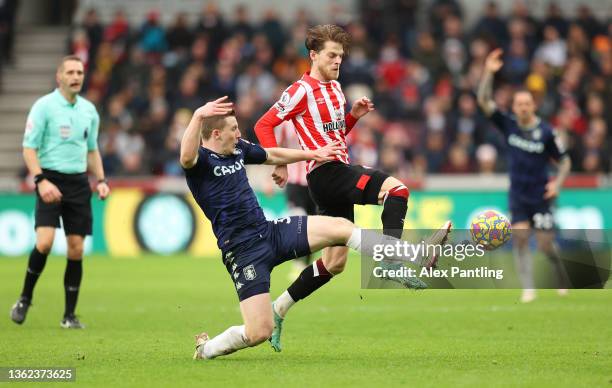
{"x": 251, "y": 263}
{"x": 539, "y": 215}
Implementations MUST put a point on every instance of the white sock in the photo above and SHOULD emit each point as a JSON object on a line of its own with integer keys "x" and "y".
{"x": 283, "y": 303}
{"x": 365, "y": 242}
{"x": 354, "y": 242}
{"x": 232, "y": 339}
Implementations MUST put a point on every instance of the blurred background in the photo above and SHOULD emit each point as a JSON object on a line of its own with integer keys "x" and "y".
{"x": 150, "y": 63}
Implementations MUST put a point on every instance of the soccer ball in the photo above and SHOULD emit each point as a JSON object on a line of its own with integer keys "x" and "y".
{"x": 491, "y": 229}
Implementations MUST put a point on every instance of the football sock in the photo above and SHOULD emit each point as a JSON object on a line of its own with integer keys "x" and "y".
{"x": 555, "y": 259}
{"x": 283, "y": 303}
{"x": 368, "y": 242}
{"x": 395, "y": 206}
{"x": 36, "y": 264}
{"x": 311, "y": 279}
{"x": 232, "y": 339}
{"x": 72, "y": 282}
{"x": 524, "y": 265}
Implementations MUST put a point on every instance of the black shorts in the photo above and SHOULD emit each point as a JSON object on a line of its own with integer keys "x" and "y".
{"x": 539, "y": 214}
{"x": 74, "y": 208}
{"x": 298, "y": 198}
{"x": 336, "y": 187}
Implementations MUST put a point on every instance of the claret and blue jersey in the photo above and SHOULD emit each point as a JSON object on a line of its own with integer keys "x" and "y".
{"x": 530, "y": 151}
{"x": 220, "y": 186}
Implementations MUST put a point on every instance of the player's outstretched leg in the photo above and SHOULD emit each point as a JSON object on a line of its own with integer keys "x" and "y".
{"x": 257, "y": 316}
{"x": 394, "y": 198}
{"x": 333, "y": 232}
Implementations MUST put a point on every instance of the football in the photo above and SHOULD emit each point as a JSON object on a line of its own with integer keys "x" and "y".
{"x": 491, "y": 229}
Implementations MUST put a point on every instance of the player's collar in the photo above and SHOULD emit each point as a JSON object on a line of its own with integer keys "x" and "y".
{"x": 536, "y": 125}
{"x": 65, "y": 102}
{"x": 308, "y": 78}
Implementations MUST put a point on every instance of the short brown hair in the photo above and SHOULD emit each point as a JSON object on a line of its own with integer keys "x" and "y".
{"x": 216, "y": 122}
{"x": 521, "y": 90}
{"x": 318, "y": 35}
{"x": 67, "y": 58}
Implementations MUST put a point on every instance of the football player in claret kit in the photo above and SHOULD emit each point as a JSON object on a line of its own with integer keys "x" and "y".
{"x": 214, "y": 157}
{"x": 315, "y": 104}
{"x": 532, "y": 144}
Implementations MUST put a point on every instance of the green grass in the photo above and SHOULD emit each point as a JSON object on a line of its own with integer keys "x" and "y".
{"x": 141, "y": 315}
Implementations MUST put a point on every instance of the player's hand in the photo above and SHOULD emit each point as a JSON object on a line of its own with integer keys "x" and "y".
{"x": 103, "y": 190}
{"x": 362, "y": 107}
{"x": 328, "y": 152}
{"x": 494, "y": 62}
{"x": 217, "y": 107}
{"x": 280, "y": 175}
{"x": 552, "y": 190}
{"x": 49, "y": 192}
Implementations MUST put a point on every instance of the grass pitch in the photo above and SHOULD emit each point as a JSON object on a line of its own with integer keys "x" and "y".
{"x": 142, "y": 314}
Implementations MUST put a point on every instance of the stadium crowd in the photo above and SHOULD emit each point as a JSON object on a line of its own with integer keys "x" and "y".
{"x": 147, "y": 79}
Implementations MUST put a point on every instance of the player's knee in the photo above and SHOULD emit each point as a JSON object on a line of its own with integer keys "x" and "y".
{"x": 259, "y": 333}
{"x": 75, "y": 252}
{"x": 44, "y": 246}
{"x": 341, "y": 229}
{"x": 546, "y": 247}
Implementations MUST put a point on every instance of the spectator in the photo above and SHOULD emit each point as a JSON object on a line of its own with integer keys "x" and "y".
{"x": 180, "y": 36}
{"x": 153, "y": 37}
{"x": 95, "y": 32}
{"x": 553, "y": 50}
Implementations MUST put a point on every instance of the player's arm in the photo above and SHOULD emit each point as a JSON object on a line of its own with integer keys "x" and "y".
{"x": 190, "y": 143}
{"x": 485, "y": 87}
{"x": 94, "y": 164}
{"x": 563, "y": 169}
{"x": 35, "y": 128}
{"x": 48, "y": 192}
{"x": 283, "y": 156}
{"x": 360, "y": 108}
{"x": 291, "y": 103}
{"x": 94, "y": 159}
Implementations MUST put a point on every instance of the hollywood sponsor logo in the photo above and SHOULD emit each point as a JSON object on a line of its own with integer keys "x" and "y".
{"x": 334, "y": 126}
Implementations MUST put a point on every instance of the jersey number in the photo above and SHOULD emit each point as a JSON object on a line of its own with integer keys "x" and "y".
{"x": 543, "y": 221}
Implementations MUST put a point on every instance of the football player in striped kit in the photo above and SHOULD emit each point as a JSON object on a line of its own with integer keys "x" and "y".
{"x": 315, "y": 104}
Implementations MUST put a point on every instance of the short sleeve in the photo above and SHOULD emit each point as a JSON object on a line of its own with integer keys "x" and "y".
{"x": 292, "y": 102}
{"x": 199, "y": 168}
{"x": 501, "y": 121}
{"x": 92, "y": 140}
{"x": 253, "y": 153}
{"x": 36, "y": 125}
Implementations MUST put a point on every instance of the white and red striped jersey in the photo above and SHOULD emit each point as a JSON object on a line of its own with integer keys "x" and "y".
{"x": 287, "y": 137}
{"x": 316, "y": 110}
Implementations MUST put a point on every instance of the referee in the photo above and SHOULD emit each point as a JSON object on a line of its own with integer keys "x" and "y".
{"x": 59, "y": 146}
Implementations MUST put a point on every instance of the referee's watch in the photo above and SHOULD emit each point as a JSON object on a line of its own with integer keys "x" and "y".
{"x": 39, "y": 178}
{"x": 103, "y": 180}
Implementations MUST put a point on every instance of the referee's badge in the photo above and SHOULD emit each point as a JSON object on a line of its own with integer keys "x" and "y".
{"x": 65, "y": 131}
